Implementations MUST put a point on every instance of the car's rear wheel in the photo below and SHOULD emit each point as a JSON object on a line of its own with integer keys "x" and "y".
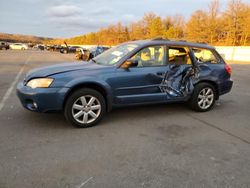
{"x": 203, "y": 97}
{"x": 85, "y": 108}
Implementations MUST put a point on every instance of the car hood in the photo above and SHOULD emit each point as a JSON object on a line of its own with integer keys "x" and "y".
{"x": 62, "y": 68}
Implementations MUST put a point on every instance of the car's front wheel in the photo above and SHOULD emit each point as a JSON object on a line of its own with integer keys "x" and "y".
{"x": 85, "y": 108}
{"x": 203, "y": 97}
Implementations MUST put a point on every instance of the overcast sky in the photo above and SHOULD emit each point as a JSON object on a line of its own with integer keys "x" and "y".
{"x": 67, "y": 18}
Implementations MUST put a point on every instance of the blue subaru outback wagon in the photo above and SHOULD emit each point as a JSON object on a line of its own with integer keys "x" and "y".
{"x": 133, "y": 73}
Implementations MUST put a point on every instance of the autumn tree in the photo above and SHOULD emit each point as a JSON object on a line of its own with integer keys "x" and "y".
{"x": 155, "y": 28}
{"x": 174, "y": 27}
{"x": 245, "y": 25}
{"x": 122, "y": 33}
{"x": 233, "y": 17}
{"x": 213, "y": 23}
{"x": 229, "y": 27}
{"x": 137, "y": 30}
{"x": 196, "y": 29}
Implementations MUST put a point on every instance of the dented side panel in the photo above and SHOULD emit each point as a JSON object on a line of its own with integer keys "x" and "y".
{"x": 179, "y": 81}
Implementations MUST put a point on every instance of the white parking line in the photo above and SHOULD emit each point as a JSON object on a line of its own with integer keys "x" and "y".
{"x": 13, "y": 84}
{"x": 80, "y": 186}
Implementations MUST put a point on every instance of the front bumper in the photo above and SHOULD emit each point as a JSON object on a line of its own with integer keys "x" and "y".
{"x": 41, "y": 99}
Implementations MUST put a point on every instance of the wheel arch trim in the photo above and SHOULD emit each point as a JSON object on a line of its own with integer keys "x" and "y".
{"x": 101, "y": 87}
{"x": 213, "y": 83}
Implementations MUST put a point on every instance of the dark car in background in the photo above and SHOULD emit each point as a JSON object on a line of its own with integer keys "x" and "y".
{"x": 133, "y": 73}
{"x": 53, "y": 48}
{"x": 39, "y": 47}
{"x": 69, "y": 49}
{"x": 4, "y": 46}
{"x": 88, "y": 54}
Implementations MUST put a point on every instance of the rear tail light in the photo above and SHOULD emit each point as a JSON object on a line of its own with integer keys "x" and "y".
{"x": 228, "y": 68}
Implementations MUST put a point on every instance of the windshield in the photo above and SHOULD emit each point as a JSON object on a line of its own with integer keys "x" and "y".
{"x": 113, "y": 55}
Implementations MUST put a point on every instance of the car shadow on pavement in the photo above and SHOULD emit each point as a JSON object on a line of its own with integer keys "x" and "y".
{"x": 123, "y": 115}
{"x": 135, "y": 113}
{"x": 56, "y": 120}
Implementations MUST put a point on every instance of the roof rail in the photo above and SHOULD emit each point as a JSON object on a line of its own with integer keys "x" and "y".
{"x": 201, "y": 42}
{"x": 160, "y": 38}
{"x": 182, "y": 40}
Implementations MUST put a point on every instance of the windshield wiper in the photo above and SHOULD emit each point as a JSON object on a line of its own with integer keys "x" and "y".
{"x": 96, "y": 62}
{"x": 93, "y": 60}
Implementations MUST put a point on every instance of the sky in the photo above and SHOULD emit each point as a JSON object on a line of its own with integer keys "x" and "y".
{"x": 68, "y": 18}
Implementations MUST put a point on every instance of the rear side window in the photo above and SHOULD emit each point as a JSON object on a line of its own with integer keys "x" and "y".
{"x": 205, "y": 56}
{"x": 179, "y": 56}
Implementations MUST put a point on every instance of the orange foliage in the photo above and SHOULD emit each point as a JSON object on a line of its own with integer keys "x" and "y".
{"x": 228, "y": 27}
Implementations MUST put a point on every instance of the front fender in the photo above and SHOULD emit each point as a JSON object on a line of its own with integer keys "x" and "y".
{"x": 90, "y": 81}
{"x": 85, "y": 79}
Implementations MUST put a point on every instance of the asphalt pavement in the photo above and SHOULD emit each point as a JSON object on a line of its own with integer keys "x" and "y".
{"x": 151, "y": 146}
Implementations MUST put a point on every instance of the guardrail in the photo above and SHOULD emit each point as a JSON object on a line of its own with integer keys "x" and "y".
{"x": 234, "y": 53}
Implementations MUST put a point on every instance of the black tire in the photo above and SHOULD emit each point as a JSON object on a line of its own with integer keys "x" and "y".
{"x": 65, "y": 51}
{"x": 196, "y": 96}
{"x": 74, "y": 98}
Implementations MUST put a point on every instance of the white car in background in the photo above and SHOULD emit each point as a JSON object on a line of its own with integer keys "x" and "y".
{"x": 18, "y": 46}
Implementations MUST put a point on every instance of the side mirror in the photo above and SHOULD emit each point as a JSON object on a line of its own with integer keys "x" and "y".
{"x": 130, "y": 63}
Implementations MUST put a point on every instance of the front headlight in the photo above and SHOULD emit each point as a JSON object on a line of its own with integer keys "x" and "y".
{"x": 40, "y": 82}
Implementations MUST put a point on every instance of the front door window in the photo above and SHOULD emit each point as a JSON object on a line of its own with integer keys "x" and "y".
{"x": 152, "y": 56}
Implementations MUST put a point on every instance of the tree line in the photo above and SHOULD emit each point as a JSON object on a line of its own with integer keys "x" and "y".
{"x": 214, "y": 26}
{"x": 22, "y": 38}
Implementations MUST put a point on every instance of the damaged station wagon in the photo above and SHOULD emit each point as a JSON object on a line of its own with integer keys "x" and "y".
{"x": 133, "y": 73}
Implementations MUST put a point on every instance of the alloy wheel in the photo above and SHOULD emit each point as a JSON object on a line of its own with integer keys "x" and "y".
{"x": 86, "y": 109}
{"x": 205, "y": 98}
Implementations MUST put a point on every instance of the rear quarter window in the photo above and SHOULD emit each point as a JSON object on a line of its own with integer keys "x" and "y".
{"x": 205, "y": 56}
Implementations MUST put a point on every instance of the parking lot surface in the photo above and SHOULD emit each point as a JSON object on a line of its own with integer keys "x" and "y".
{"x": 151, "y": 146}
